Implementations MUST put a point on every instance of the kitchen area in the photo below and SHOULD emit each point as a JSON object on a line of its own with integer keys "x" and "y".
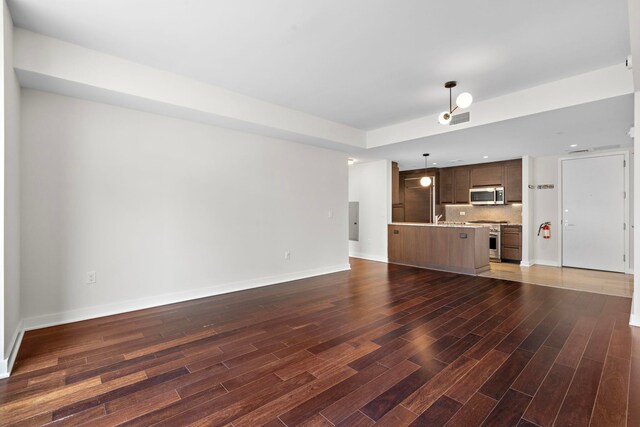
{"x": 464, "y": 218}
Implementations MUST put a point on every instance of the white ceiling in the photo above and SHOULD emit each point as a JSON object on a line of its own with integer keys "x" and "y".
{"x": 365, "y": 63}
{"x": 593, "y": 125}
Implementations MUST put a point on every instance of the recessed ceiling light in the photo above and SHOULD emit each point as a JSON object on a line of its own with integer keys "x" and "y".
{"x": 573, "y": 145}
{"x": 434, "y": 163}
{"x": 485, "y": 157}
{"x": 351, "y": 161}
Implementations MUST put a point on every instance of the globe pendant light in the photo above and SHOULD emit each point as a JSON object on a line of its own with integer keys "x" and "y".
{"x": 463, "y": 100}
{"x": 425, "y": 181}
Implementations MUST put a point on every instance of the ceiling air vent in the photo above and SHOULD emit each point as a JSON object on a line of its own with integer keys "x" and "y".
{"x": 584, "y": 150}
{"x": 459, "y": 118}
{"x": 606, "y": 147}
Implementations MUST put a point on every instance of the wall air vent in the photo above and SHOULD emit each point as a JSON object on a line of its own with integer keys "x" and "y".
{"x": 456, "y": 119}
{"x": 585, "y": 150}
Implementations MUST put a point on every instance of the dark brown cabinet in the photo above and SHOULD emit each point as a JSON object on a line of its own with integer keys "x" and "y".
{"x": 487, "y": 176}
{"x": 395, "y": 183}
{"x": 513, "y": 182}
{"x": 461, "y": 184}
{"x": 458, "y": 249}
{"x": 446, "y": 186}
{"x": 511, "y": 243}
{"x": 397, "y": 214}
{"x": 453, "y": 184}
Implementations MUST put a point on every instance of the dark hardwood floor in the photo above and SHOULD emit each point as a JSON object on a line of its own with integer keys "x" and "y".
{"x": 382, "y": 344}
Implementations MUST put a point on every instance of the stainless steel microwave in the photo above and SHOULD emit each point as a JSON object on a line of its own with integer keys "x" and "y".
{"x": 486, "y": 196}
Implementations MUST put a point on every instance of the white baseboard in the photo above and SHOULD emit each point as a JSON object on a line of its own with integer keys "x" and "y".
{"x": 7, "y": 364}
{"x": 526, "y": 263}
{"x": 142, "y": 303}
{"x": 634, "y": 319}
{"x": 370, "y": 257}
{"x": 546, "y": 262}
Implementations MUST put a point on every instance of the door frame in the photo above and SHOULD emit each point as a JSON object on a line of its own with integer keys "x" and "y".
{"x": 627, "y": 169}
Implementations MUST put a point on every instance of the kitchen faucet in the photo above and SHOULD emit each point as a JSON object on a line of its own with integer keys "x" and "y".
{"x": 438, "y": 218}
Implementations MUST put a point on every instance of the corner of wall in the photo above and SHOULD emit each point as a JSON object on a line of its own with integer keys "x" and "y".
{"x": 6, "y": 364}
{"x": 635, "y": 304}
{"x": 11, "y": 314}
{"x": 634, "y": 318}
{"x": 527, "y": 212}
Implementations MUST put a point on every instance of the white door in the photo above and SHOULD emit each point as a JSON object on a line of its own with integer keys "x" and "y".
{"x": 593, "y": 209}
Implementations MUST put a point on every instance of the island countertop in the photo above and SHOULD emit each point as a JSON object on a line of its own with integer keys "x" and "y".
{"x": 429, "y": 224}
{"x": 450, "y": 247}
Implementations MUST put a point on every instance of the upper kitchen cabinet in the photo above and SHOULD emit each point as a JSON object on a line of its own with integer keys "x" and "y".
{"x": 395, "y": 183}
{"x": 513, "y": 181}
{"x": 487, "y": 176}
{"x": 452, "y": 186}
{"x": 445, "y": 183}
{"x": 461, "y": 185}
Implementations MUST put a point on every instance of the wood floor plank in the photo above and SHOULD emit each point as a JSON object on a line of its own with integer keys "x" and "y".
{"x": 600, "y": 337}
{"x": 397, "y": 417}
{"x": 357, "y": 419}
{"x": 496, "y": 386}
{"x": 578, "y": 403}
{"x": 509, "y": 410}
{"x": 439, "y": 413}
{"x": 429, "y": 393}
{"x": 611, "y": 403}
{"x": 473, "y": 413}
{"x": 536, "y": 371}
{"x": 386, "y": 401}
{"x": 346, "y": 406}
{"x": 275, "y": 407}
{"x": 381, "y": 344}
{"x": 633, "y": 399}
{"x": 576, "y": 342}
{"x": 546, "y": 403}
{"x": 316, "y": 404}
{"x": 468, "y": 385}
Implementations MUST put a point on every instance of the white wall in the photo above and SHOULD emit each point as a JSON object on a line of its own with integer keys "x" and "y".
{"x": 528, "y": 257}
{"x": 164, "y": 209}
{"x": 545, "y": 208}
{"x": 369, "y": 184}
{"x": 52, "y": 65}
{"x": 11, "y": 118}
{"x": 635, "y": 308}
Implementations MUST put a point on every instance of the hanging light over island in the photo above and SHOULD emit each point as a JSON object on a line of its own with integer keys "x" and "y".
{"x": 425, "y": 181}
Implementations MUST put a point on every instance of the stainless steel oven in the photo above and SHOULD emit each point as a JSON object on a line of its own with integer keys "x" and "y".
{"x": 494, "y": 242}
{"x": 494, "y": 237}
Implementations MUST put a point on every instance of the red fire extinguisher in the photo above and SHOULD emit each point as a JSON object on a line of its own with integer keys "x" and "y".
{"x": 545, "y": 228}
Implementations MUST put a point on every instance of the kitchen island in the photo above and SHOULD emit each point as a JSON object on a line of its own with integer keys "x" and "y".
{"x": 455, "y": 248}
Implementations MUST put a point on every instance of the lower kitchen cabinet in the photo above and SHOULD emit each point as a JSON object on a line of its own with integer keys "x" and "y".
{"x": 511, "y": 243}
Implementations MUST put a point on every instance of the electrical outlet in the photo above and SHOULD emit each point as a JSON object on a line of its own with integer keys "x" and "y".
{"x": 287, "y": 255}
{"x": 463, "y": 213}
{"x": 329, "y": 213}
{"x": 91, "y": 277}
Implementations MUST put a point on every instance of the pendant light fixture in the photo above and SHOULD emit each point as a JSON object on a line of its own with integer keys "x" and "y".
{"x": 463, "y": 100}
{"x": 425, "y": 181}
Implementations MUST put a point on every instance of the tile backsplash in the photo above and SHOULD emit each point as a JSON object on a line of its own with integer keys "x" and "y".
{"x": 510, "y": 213}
